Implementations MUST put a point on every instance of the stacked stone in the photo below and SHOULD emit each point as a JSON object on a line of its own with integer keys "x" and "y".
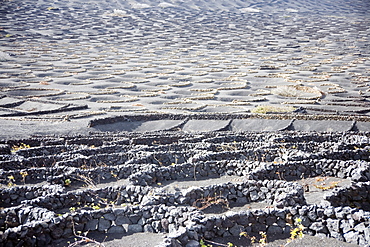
{"x": 343, "y": 223}
{"x": 16, "y": 195}
{"x": 274, "y": 192}
{"x": 264, "y": 162}
{"x": 131, "y": 219}
{"x": 357, "y": 170}
{"x": 354, "y": 195}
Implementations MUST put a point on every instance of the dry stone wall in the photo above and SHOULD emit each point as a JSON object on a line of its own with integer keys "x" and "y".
{"x": 121, "y": 183}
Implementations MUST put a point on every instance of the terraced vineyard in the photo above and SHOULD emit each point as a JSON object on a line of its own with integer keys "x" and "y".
{"x": 192, "y": 187}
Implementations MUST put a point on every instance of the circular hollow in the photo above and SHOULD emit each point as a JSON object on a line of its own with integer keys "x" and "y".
{"x": 298, "y": 92}
{"x": 33, "y": 92}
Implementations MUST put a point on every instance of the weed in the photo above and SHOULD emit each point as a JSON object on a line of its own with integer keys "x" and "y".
{"x": 228, "y": 147}
{"x": 159, "y": 162}
{"x": 244, "y": 234}
{"x": 11, "y": 181}
{"x": 20, "y": 147}
{"x": 297, "y": 232}
{"x": 95, "y": 207}
{"x": 263, "y": 239}
{"x": 298, "y": 91}
{"x": 114, "y": 175}
{"x": 67, "y": 182}
{"x": 83, "y": 239}
{"x": 332, "y": 185}
{"x": 264, "y": 109}
{"x": 88, "y": 181}
{"x": 202, "y": 243}
{"x": 323, "y": 185}
{"x": 208, "y": 201}
{"x": 24, "y": 174}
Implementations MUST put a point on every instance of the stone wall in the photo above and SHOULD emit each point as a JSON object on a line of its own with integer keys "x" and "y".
{"x": 343, "y": 223}
{"x": 354, "y": 195}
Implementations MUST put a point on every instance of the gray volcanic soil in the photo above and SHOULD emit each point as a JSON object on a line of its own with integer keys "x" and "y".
{"x": 63, "y": 63}
{"x": 68, "y": 68}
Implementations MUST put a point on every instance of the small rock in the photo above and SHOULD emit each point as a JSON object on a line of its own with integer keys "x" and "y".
{"x": 312, "y": 215}
{"x": 360, "y": 227}
{"x": 178, "y": 234}
{"x": 193, "y": 243}
{"x": 236, "y": 230}
{"x": 332, "y": 225}
{"x": 109, "y": 216}
{"x": 91, "y": 225}
{"x": 164, "y": 224}
{"x": 274, "y": 230}
{"x": 29, "y": 195}
{"x": 57, "y": 233}
{"x": 135, "y": 228}
{"x": 318, "y": 227}
{"x": 148, "y": 228}
{"x": 254, "y": 195}
{"x": 351, "y": 237}
{"x": 104, "y": 224}
{"x": 120, "y": 220}
{"x": 116, "y": 229}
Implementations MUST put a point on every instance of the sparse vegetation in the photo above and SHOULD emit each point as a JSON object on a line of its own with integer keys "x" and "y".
{"x": 88, "y": 181}
{"x": 83, "y": 239}
{"x": 297, "y": 231}
{"x": 324, "y": 186}
{"x": 11, "y": 180}
{"x": 264, "y": 109}
{"x": 298, "y": 91}
{"x": 24, "y": 174}
{"x": 208, "y": 201}
{"x": 67, "y": 182}
{"x": 15, "y": 148}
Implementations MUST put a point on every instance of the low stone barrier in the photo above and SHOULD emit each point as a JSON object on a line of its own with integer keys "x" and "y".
{"x": 16, "y": 195}
{"x": 354, "y": 195}
{"x": 266, "y": 169}
{"x": 343, "y": 223}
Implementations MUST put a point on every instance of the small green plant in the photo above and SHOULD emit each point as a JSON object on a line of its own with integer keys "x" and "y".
{"x": 88, "y": 181}
{"x": 95, "y": 207}
{"x": 21, "y": 146}
{"x": 263, "y": 239}
{"x": 72, "y": 209}
{"x": 208, "y": 201}
{"x": 323, "y": 185}
{"x": 203, "y": 244}
{"x": 297, "y": 232}
{"x": 11, "y": 180}
{"x": 114, "y": 175}
{"x": 24, "y": 174}
{"x": 264, "y": 109}
{"x": 67, "y": 182}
